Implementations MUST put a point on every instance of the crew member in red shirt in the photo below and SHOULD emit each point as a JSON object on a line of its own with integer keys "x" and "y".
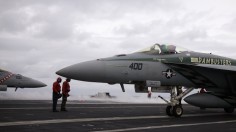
{"x": 56, "y": 88}
{"x": 65, "y": 93}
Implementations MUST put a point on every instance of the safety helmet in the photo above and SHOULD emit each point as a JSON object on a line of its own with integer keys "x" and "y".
{"x": 68, "y": 79}
{"x": 58, "y": 79}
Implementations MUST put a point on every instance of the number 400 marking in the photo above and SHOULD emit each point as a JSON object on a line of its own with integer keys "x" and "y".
{"x": 136, "y": 66}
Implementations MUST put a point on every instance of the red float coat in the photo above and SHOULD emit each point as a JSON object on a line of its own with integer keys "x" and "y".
{"x": 65, "y": 88}
{"x": 56, "y": 87}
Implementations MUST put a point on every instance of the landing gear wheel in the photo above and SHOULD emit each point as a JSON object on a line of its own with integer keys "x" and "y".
{"x": 177, "y": 111}
{"x": 169, "y": 110}
{"x": 229, "y": 110}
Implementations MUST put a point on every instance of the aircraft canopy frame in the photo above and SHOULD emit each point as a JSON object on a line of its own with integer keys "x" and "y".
{"x": 163, "y": 49}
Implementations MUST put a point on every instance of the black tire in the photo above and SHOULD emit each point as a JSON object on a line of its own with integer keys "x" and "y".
{"x": 229, "y": 110}
{"x": 177, "y": 111}
{"x": 169, "y": 110}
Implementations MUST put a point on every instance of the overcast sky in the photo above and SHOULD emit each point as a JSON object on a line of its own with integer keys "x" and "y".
{"x": 37, "y": 38}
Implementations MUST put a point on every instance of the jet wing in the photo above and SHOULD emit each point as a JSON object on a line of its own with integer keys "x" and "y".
{"x": 218, "y": 67}
{"x": 204, "y": 75}
{"x": 207, "y": 66}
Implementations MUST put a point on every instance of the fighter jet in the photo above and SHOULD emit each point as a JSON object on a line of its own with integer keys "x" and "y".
{"x": 8, "y": 79}
{"x": 170, "y": 68}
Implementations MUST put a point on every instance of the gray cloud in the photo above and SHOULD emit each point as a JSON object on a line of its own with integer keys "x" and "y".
{"x": 40, "y": 37}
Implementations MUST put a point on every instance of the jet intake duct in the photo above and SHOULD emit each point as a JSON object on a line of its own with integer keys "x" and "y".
{"x": 162, "y": 89}
{"x": 153, "y": 83}
{"x": 207, "y": 100}
{"x": 142, "y": 87}
{"x": 3, "y": 87}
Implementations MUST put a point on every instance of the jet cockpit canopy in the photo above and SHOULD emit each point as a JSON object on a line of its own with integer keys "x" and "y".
{"x": 163, "y": 49}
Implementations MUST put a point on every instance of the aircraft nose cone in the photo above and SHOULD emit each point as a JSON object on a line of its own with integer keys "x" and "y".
{"x": 86, "y": 71}
{"x": 26, "y": 82}
{"x": 34, "y": 84}
{"x": 40, "y": 84}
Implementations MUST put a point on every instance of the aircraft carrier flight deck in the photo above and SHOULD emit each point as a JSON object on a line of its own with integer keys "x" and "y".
{"x": 82, "y": 116}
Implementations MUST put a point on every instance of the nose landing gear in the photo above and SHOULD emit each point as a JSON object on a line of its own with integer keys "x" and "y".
{"x": 175, "y": 111}
{"x": 174, "y": 107}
